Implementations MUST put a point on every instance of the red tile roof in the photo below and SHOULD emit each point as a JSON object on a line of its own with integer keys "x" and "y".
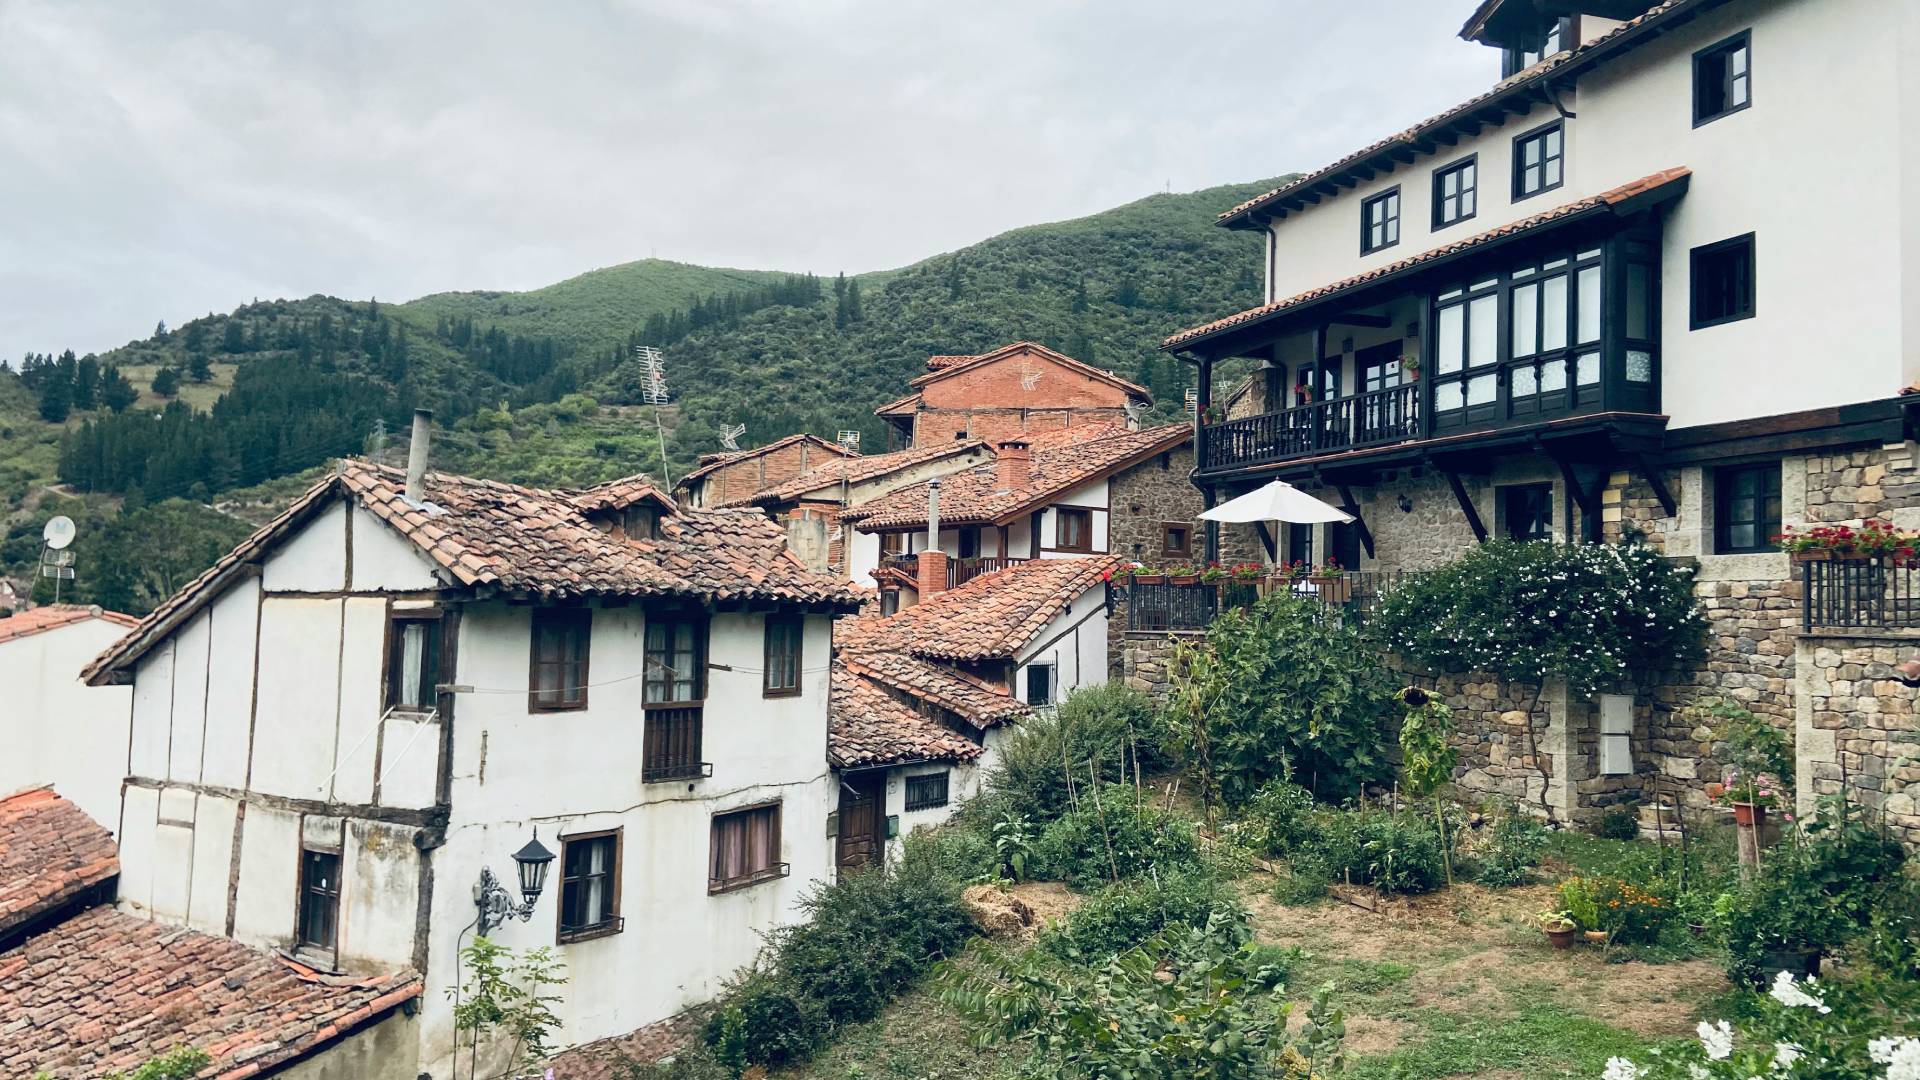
{"x": 614, "y": 1058}
{"x": 496, "y": 536}
{"x": 990, "y": 617}
{"x": 622, "y": 493}
{"x": 938, "y": 362}
{"x": 963, "y": 363}
{"x": 979, "y": 703}
{"x": 858, "y": 470}
{"x": 48, "y": 616}
{"x": 710, "y": 462}
{"x": 867, "y": 726}
{"x": 104, "y": 992}
{"x": 1061, "y": 461}
{"x": 904, "y": 405}
{"x": 1595, "y": 203}
{"x": 50, "y": 853}
{"x": 1525, "y": 84}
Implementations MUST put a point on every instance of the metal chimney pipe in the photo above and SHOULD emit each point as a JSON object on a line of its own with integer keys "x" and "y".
{"x": 933, "y": 514}
{"x": 417, "y": 449}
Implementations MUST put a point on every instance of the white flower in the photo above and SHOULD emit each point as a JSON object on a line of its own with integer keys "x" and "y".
{"x": 1619, "y": 1068}
{"x": 1900, "y": 1054}
{"x": 1787, "y": 993}
{"x": 1696, "y": 1072}
{"x": 1717, "y": 1038}
{"x": 1784, "y": 1055}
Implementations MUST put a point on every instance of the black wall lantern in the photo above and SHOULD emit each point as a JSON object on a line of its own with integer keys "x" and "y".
{"x": 496, "y": 906}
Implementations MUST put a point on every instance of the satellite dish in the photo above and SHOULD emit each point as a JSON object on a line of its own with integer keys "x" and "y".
{"x": 59, "y": 532}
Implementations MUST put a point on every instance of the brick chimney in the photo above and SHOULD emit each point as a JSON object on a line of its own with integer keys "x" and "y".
{"x": 930, "y": 575}
{"x": 1010, "y": 467}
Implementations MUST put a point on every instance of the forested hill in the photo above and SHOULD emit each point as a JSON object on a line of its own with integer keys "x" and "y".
{"x": 540, "y": 386}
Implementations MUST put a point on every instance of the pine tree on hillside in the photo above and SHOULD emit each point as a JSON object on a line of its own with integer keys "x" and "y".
{"x": 166, "y": 382}
{"x": 233, "y": 337}
{"x": 160, "y": 330}
{"x": 199, "y": 368}
{"x": 116, "y": 390}
{"x": 56, "y": 396}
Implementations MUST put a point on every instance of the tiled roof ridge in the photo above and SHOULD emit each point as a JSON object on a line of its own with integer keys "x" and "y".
{"x": 1611, "y": 196}
{"x": 44, "y": 617}
{"x": 858, "y": 470}
{"x": 706, "y": 463}
{"x": 1547, "y": 67}
{"x": 1030, "y": 346}
{"x": 989, "y": 617}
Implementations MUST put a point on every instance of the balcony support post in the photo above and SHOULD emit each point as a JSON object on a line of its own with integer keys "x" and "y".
{"x": 1212, "y": 546}
{"x": 1589, "y": 500}
{"x": 1267, "y": 541}
{"x": 1651, "y": 470}
{"x": 1466, "y": 506}
{"x": 1359, "y": 522}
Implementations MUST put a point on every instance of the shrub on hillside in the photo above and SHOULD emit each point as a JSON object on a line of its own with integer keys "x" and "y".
{"x": 1126, "y": 913}
{"x": 1108, "y": 726}
{"x": 1117, "y": 835}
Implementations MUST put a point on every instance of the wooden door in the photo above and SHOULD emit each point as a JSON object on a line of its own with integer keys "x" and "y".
{"x": 863, "y": 821}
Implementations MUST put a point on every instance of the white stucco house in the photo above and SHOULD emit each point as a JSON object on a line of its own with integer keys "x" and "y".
{"x": 924, "y": 697}
{"x": 398, "y": 683}
{"x": 58, "y": 730}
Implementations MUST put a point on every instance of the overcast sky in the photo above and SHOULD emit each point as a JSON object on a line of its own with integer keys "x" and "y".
{"x": 160, "y": 160}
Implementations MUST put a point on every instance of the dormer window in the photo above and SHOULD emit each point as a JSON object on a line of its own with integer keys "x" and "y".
{"x": 641, "y": 522}
{"x": 1559, "y": 37}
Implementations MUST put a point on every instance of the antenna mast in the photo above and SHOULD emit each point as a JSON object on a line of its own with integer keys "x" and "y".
{"x": 653, "y": 367}
{"x": 56, "y": 561}
{"x": 730, "y": 435}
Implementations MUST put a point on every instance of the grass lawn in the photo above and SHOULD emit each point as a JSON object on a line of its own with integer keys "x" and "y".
{"x": 1459, "y": 983}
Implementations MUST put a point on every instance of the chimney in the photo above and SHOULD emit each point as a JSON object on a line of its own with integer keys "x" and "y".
{"x": 1010, "y": 467}
{"x": 417, "y": 449}
{"x": 807, "y": 539}
{"x": 930, "y": 573}
{"x": 933, "y": 514}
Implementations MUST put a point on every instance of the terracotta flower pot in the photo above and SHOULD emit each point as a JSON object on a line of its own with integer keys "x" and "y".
{"x": 1183, "y": 579}
{"x": 1562, "y": 939}
{"x": 1819, "y": 555}
{"x": 1597, "y": 937}
{"x": 1749, "y": 814}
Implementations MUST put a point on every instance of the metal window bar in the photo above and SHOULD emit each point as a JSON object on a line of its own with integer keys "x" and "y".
{"x": 1874, "y": 594}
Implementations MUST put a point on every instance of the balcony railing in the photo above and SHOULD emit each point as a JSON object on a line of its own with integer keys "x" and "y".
{"x": 1157, "y": 606}
{"x": 671, "y": 747}
{"x": 961, "y": 571}
{"x": 1373, "y": 418}
{"x": 906, "y": 564}
{"x": 1860, "y": 594}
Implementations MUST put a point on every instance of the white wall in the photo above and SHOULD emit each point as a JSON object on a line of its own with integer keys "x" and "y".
{"x": 1075, "y": 642}
{"x": 1817, "y": 168}
{"x": 58, "y": 730}
{"x": 1088, "y": 496}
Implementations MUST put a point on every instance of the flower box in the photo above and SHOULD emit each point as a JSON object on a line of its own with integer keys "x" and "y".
{"x": 1332, "y": 588}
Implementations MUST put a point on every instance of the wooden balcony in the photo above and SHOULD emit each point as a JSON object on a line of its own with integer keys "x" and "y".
{"x": 671, "y": 747}
{"x": 1375, "y": 418}
{"x": 961, "y": 571}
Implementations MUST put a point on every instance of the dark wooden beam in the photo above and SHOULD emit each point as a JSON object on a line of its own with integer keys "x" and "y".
{"x": 1267, "y": 541}
{"x": 1359, "y": 523}
{"x": 1377, "y": 322}
{"x": 1466, "y": 506}
{"x": 1651, "y": 470}
{"x": 1589, "y": 501}
{"x": 1404, "y": 156}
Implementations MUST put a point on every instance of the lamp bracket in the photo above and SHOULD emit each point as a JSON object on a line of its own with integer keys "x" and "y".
{"x": 496, "y": 904}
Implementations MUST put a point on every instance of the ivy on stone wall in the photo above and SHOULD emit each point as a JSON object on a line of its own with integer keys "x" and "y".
{"x": 1595, "y": 615}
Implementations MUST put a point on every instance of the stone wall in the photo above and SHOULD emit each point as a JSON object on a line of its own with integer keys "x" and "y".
{"x": 1147, "y": 496}
{"x": 1855, "y": 726}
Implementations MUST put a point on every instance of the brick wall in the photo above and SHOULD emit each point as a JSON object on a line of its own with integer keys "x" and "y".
{"x": 1015, "y": 395}
{"x": 746, "y": 476}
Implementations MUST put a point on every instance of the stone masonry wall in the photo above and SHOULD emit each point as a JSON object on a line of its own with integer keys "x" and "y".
{"x": 1155, "y": 492}
{"x": 1856, "y": 728}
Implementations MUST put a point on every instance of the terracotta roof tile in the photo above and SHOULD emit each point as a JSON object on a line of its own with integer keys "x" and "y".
{"x": 938, "y": 362}
{"x": 1061, "y": 461}
{"x": 621, "y": 493}
{"x": 537, "y": 542}
{"x": 867, "y": 726}
{"x": 990, "y": 617}
{"x": 1605, "y": 199}
{"x": 903, "y": 405}
{"x": 979, "y": 703}
{"x": 48, "y": 616}
{"x": 858, "y": 470}
{"x": 104, "y": 992}
{"x": 1610, "y": 43}
{"x": 50, "y": 853}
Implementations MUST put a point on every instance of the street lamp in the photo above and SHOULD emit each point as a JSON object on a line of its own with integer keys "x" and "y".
{"x": 496, "y": 905}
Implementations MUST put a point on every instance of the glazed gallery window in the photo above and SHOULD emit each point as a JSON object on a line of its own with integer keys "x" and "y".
{"x": 1380, "y": 221}
{"x": 589, "y": 885}
{"x": 1722, "y": 289}
{"x": 413, "y": 661}
{"x": 1073, "y": 530}
{"x": 745, "y": 848}
{"x": 1456, "y": 189}
{"x": 1746, "y": 508}
{"x": 927, "y": 791}
{"x": 1539, "y": 161}
{"x": 560, "y": 646}
{"x": 1526, "y": 511}
{"x": 1723, "y": 79}
{"x": 784, "y": 644}
{"x": 1550, "y": 339}
{"x": 319, "y": 899}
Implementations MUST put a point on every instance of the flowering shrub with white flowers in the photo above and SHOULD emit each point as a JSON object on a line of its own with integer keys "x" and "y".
{"x": 1805, "y": 1030}
{"x": 1595, "y": 615}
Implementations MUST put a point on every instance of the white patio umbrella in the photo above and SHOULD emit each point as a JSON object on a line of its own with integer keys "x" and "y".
{"x": 1277, "y": 501}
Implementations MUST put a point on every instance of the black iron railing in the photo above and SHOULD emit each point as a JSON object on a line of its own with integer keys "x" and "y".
{"x": 1373, "y": 418}
{"x": 1860, "y": 593}
{"x": 1155, "y": 606}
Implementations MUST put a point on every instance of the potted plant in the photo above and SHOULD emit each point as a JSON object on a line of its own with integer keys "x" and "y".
{"x": 1410, "y": 368}
{"x": 1143, "y": 575}
{"x": 1182, "y": 575}
{"x": 1561, "y": 929}
{"x": 1749, "y": 794}
{"x": 1332, "y": 585}
{"x": 1213, "y": 574}
{"x": 1582, "y": 908}
{"x": 1297, "y": 571}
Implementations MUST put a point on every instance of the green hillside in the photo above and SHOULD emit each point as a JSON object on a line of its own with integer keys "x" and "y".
{"x": 540, "y": 386}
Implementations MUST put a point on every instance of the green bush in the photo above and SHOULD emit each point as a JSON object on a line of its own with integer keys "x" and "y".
{"x": 1126, "y": 913}
{"x": 1282, "y": 690}
{"x": 1121, "y": 834}
{"x": 1304, "y": 880}
{"x": 1596, "y": 615}
{"x": 1279, "y": 817}
{"x": 1109, "y": 724}
{"x": 960, "y": 849}
{"x": 1394, "y": 853}
{"x": 1619, "y": 825}
{"x": 1512, "y": 849}
{"x": 867, "y": 938}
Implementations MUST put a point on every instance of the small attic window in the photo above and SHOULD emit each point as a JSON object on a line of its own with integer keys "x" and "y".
{"x": 641, "y": 521}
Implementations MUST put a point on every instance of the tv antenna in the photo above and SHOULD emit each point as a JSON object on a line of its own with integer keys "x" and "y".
{"x": 1193, "y": 400}
{"x": 56, "y": 561}
{"x": 653, "y": 368}
{"x": 849, "y": 439}
{"x": 1133, "y": 415}
{"x": 730, "y": 435}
